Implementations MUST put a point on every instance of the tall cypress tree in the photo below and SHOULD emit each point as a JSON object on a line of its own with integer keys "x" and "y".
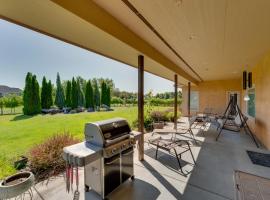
{"x": 103, "y": 93}
{"x": 80, "y": 93}
{"x": 35, "y": 96}
{"x": 89, "y": 96}
{"x": 68, "y": 94}
{"x": 74, "y": 94}
{"x": 49, "y": 94}
{"x": 27, "y": 95}
{"x": 96, "y": 94}
{"x": 60, "y": 96}
{"x": 44, "y": 93}
{"x": 108, "y": 96}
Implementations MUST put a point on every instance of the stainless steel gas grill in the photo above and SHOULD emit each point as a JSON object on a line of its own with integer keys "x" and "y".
{"x": 106, "y": 154}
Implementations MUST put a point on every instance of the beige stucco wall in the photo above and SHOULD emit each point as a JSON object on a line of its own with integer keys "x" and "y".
{"x": 261, "y": 82}
{"x": 212, "y": 94}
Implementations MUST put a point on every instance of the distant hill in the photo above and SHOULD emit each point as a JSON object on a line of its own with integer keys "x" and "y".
{"x": 4, "y": 90}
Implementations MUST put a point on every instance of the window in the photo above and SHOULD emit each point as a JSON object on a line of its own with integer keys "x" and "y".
{"x": 194, "y": 101}
{"x": 251, "y": 103}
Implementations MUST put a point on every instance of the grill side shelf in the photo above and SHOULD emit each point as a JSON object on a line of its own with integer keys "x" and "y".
{"x": 81, "y": 154}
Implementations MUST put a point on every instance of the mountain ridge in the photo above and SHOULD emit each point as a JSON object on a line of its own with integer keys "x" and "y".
{"x": 4, "y": 90}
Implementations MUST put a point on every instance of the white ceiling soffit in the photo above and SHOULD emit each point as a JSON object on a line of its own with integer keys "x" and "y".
{"x": 48, "y": 18}
{"x": 218, "y": 39}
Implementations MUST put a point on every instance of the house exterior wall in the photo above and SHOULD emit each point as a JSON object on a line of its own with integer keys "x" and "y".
{"x": 261, "y": 82}
{"x": 212, "y": 94}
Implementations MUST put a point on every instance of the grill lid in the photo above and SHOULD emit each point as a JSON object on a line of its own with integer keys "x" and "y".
{"x": 107, "y": 131}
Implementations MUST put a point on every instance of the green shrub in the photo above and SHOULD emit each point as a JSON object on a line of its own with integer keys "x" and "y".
{"x": 158, "y": 116}
{"x": 46, "y": 158}
{"x": 166, "y": 115}
{"x": 155, "y": 116}
{"x": 170, "y": 116}
{"x": 148, "y": 121}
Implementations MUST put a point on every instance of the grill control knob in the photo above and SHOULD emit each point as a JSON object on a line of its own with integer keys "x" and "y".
{"x": 113, "y": 150}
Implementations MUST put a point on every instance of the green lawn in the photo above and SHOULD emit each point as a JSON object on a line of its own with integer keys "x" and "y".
{"x": 18, "y": 133}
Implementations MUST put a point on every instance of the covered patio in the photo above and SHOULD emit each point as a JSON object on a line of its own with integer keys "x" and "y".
{"x": 211, "y": 178}
{"x": 203, "y": 47}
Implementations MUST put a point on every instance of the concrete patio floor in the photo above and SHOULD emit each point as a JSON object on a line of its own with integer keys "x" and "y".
{"x": 211, "y": 179}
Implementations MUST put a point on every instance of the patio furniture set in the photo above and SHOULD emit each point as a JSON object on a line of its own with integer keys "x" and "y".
{"x": 175, "y": 145}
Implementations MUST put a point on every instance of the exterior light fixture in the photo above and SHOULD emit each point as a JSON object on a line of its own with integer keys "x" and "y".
{"x": 246, "y": 97}
{"x": 247, "y": 82}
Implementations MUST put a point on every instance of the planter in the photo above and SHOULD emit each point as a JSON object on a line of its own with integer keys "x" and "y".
{"x": 16, "y": 185}
{"x": 158, "y": 125}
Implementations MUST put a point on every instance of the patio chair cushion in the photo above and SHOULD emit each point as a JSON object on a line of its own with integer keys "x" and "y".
{"x": 232, "y": 128}
{"x": 167, "y": 144}
{"x": 164, "y": 130}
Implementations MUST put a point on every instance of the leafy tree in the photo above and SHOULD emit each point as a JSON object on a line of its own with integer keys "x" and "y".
{"x": 35, "y": 96}
{"x": 44, "y": 93}
{"x": 8, "y": 103}
{"x": 167, "y": 95}
{"x": 12, "y": 101}
{"x": 117, "y": 101}
{"x": 27, "y": 95}
{"x": 2, "y": 104}
{"x": 68, "y": 94}
{"x": 89, "y": 97}
{"x": 96, "y": 94}
{"x": 109, "y": 82}
{"x": 74, "y": 94}
{"x": 60, "y": 96}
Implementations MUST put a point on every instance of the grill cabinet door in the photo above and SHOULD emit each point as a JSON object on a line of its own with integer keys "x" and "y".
{"x": 111, "y": 173}
{"x": 127, "y": 164}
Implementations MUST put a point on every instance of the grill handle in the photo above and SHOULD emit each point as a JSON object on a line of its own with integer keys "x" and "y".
{"x": 109, "y": 163}
{"x": 128, "y": 153}
{"x": 109, "y": 142}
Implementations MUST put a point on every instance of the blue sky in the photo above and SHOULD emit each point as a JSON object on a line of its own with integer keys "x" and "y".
{"x": 23, "y": 50}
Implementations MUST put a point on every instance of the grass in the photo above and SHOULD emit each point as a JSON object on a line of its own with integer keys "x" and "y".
{"x": 6, "y": 168}
{"x": 18, "y": 133}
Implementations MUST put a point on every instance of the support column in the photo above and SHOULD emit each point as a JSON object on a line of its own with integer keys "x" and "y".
{"x": 141, "y": 106}
{"x": 175, "y": 101}
{"x": 189, "y": 99}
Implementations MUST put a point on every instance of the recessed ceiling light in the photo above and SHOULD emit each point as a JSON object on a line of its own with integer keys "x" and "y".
{"x": 192, "y": 37}
{"x": 178, "y": 2}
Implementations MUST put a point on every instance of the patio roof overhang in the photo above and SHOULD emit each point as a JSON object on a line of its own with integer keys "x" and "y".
{"x": 198, "y": 40}
{"x": 195, "y": 40}
{"x": 85, "y": 24}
